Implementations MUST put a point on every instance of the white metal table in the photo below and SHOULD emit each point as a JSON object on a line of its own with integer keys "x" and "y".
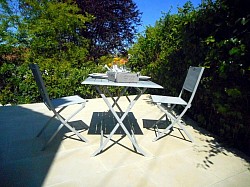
{"x": 140, "y": 86}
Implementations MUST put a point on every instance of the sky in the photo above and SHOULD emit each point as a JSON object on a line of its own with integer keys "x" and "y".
{"x": 152, "y": 9}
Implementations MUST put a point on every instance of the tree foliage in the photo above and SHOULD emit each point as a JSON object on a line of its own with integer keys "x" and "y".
{"x": 59, "y": 36}
{"x": 114, "y": 26}
{"x": 47, "y": 33}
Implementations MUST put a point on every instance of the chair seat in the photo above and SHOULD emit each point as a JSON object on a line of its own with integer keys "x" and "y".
{"x": 168, "y": 100}
{"x": 66, "y": 101}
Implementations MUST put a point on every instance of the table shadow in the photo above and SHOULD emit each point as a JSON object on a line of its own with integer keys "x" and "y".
{"x": 107, "y": 122}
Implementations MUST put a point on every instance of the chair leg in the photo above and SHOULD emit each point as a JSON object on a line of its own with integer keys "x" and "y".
{"x": 64, "y": 122}
{"x": 172, "y": 128}
{"x": 52, "y": 137}
{"x": 174, "y": 121}
{"x": 157, "y": 129}
{"x": 161, "y": 134}
{"x": 186, "y": 132}
{"x": 159, "y": 120}
{"x": 45, "y": 126}
{"x": 76, "y": 132}
{"x": 48, "y": 122}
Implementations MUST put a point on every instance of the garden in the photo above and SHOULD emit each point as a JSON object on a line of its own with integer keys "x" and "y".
{"x": 71, "y": 39}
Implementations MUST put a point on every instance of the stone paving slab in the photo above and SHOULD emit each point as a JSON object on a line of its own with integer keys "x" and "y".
{"x": 172, "y": 161}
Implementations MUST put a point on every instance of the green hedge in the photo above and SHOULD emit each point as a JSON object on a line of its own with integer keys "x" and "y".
{"x": 216, "y": 36}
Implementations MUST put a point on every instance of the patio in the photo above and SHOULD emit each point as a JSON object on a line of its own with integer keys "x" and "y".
{"x": 67, "y": 161}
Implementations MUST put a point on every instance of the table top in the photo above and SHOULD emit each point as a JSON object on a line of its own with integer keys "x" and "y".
{"x": 106, "y": 82}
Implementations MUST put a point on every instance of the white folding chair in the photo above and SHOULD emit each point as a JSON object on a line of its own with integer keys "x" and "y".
{"x": 57, "y": 106}
{"x": 168, "y": 103}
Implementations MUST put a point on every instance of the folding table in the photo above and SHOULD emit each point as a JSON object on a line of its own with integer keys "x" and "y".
{"x": 140, "y": 86}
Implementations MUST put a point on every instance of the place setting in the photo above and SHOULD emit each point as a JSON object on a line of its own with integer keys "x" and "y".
{"x": 118, "y": 72}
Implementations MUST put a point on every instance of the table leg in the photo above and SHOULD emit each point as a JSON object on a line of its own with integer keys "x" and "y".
{"x": 117, "y": 99}
{"x": 120, "y": 122}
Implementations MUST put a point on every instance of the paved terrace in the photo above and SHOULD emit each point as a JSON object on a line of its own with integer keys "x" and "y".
{"x": 67, "y": 161}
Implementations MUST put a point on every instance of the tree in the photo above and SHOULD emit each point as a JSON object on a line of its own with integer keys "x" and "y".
{"x": 47, "y": 33}
{"x": 52, "y": 30}
{"x": 114, "y": 26}
{"x": 10, "y": 50}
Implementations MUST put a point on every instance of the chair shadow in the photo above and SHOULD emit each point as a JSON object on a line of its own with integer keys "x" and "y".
{"x": 149, "y": 124}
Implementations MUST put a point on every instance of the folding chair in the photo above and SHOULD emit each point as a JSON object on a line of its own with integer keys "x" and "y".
{"x": 168, "y": 103}
{"x": 57, "y": 106}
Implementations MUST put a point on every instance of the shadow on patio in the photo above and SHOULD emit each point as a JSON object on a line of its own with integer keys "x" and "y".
{"x": 22, "y": 163}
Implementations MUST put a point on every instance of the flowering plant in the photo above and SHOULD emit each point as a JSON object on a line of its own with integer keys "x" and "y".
{"x": 117, "y": 64}
{"x": 120, "y": 61}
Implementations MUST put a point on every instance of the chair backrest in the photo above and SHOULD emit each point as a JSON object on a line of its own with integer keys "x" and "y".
{"x": 41, "y": 86}
{"x": 192, "y": 81}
